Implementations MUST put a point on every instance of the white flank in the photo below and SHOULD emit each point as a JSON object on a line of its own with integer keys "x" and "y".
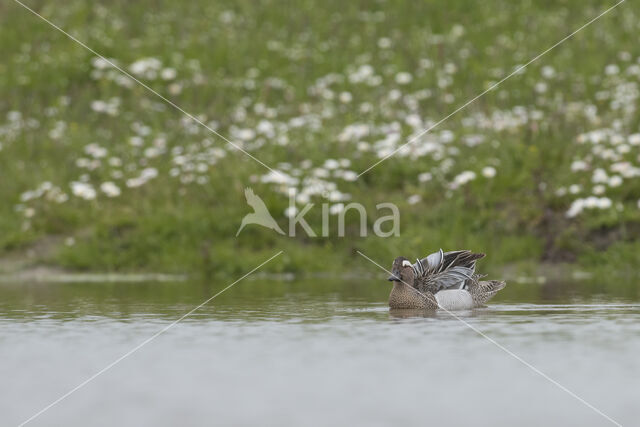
{"x": 454, "y": 299}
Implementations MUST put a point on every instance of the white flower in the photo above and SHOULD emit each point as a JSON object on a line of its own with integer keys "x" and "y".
{"x": 141, "y": 129}
{"x": 175, "y": 88}
{"x": 109, "y": 107}
{"x": 548, "y": 72}
{"x": 345, "y": 97}
{"x": 244, "y": 134}
{"x": 575, "y": 188}
{"x": 82, "y": 162}
{"x": 60, "y": 197}
{"x": 599, "y": 189}
{"x": 591, "y": 202}
{"x": 579, "y": 165}
{"x": 463, "y": 178}
{"x": 425, "y": 176}
{"x": 187, "y": 179}
{"x": 136, "y": 141}
{"x": 28, "y": 195}
{"x": 227, "y": 16}
{"x": 100, "y": 63}
{"x": 611, "y": 69}
{"x": 110, "y": 189}
{"x": 353, "y": 132}
{"x": 425, "y": 63}
{"x": 576, "y": 208}
{"x": 414, "y": 121}
{"x": 599, "y": 176}
{"x": 412, "y": 200}
{"x": 349, "y": 176}
{"x": 374, "y": 81}
{"x": 95, "y": 151}
{"x": 615, "y": 181}
{"x": 99, "y": 106}
{"x": 384, "y": 43}
{"x": 403, "y": 78}
{"x": 146, "y": 67}
{"x": 145, "y": 175}
{"x": 541, "y": 87}
{"x": 603, "y": 203}
{"x": 279, "y": 177}
{"x": 488, "y": 172}
{"x": 302, "y": 198}
{"x": 57, "y": 132}
{"x": 331, "y": 164}
{"x": 14, "y": 116}
{"x": 363, "y": 73}
{"x": 152, "y": 152}
{"x": 135, "y": 182}
{"x": 336, "y": 209}
{"x": 395, "y": 94}
{"x": 149, "y": 173}
{"x": 168, "y": 74}
{"x": 363, "y": 146}
{"x": 320, "y": 173}
{"x": 266, "y": 128}
{"x": 623, "y": 149}
{"x": 336, "y": 196}
{"x": 83, "y": 190}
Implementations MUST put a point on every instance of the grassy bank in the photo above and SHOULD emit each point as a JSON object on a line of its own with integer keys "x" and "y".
{"x": 543, "y": 168}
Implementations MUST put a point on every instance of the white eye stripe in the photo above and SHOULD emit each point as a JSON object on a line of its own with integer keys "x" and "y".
{"x": 406, "y": 263}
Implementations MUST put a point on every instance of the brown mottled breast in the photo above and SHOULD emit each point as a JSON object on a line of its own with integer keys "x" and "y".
{"x": 402, "y": 296}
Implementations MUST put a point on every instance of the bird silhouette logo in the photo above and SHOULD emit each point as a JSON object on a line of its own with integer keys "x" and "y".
{"x": 260, "y": 214}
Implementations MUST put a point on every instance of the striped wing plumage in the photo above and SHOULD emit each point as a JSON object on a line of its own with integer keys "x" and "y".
{"x": 445, "y": 270}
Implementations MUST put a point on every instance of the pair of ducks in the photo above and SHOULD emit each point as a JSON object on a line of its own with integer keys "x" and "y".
{"x": 445, "y": 280}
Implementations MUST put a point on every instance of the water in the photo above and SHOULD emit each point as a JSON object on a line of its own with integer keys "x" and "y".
{"x": 314, "y": 353}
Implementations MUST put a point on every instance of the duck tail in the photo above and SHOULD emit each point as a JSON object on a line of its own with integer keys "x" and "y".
{"x": 483, "y": 291}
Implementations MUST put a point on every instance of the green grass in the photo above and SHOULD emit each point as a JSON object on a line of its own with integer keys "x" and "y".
{"x": 228, "y": 55}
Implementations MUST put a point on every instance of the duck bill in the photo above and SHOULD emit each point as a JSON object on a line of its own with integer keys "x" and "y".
{"x": 393, "y": 278}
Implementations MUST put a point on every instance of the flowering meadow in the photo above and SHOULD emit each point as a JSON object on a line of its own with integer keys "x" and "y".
{"x": 98, "y": 173}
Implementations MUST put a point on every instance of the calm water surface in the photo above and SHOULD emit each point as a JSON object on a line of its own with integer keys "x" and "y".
{"x": 314, "y": 353}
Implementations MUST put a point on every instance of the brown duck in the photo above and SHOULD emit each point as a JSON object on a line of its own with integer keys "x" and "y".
{"x": 444, "y": 280}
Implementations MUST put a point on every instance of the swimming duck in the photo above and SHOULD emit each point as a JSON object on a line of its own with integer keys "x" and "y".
{"x": 444, "y": 280}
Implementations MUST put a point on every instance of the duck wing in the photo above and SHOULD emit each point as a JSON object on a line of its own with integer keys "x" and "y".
{"x": 445, "y": 270}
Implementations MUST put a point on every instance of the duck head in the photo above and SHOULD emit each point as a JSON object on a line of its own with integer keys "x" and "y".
{"x": 402, "y": 271}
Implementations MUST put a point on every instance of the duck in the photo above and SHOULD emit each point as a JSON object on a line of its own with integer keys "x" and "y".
{"x": 442, "y": 280}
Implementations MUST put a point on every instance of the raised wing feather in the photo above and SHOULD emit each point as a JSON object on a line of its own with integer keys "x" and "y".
{"x": 445, "y": 270}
